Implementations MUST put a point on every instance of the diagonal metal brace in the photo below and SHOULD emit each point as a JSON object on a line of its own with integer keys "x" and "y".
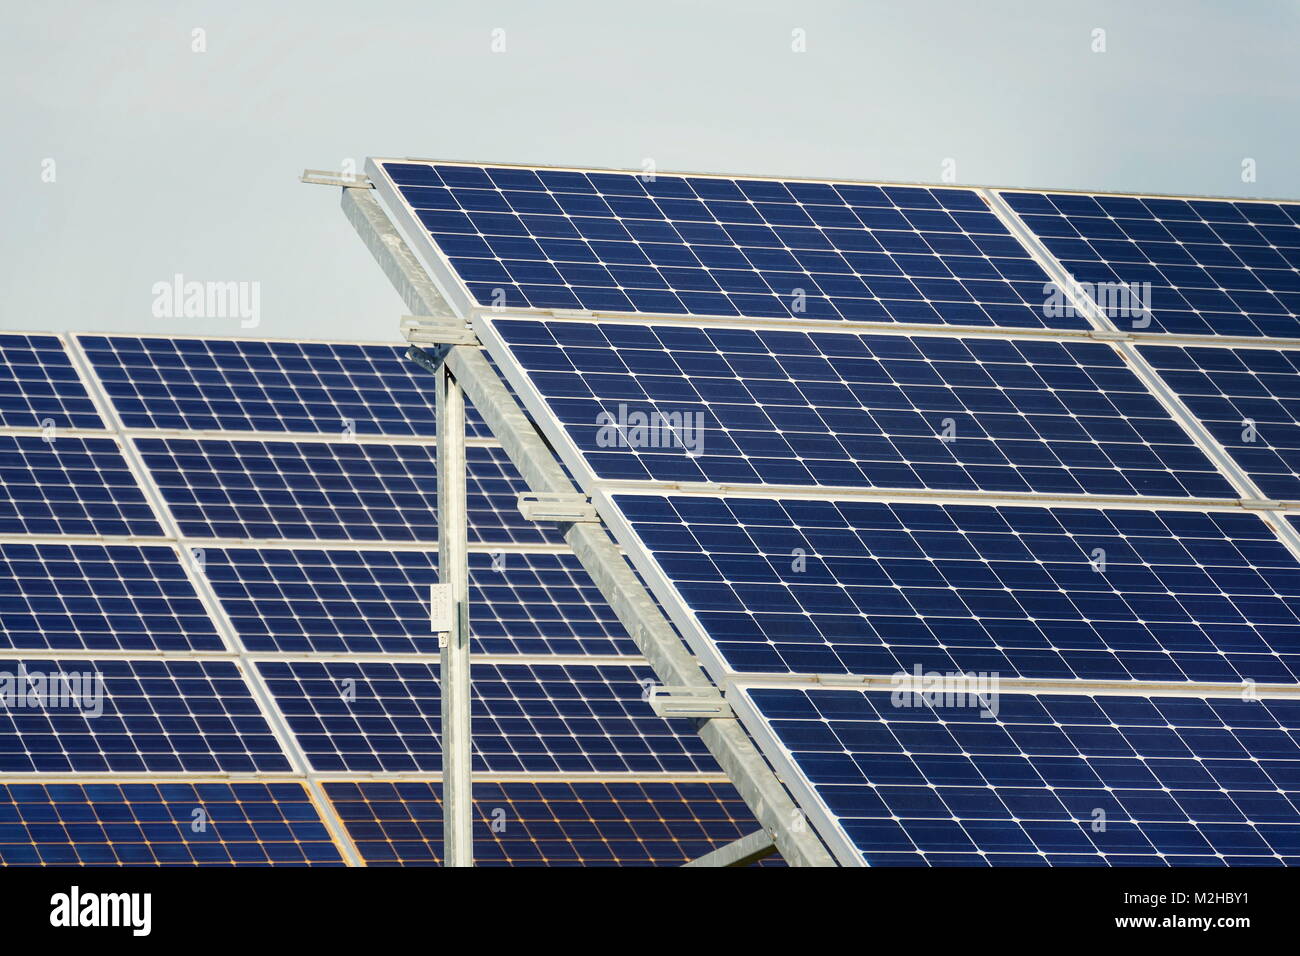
{"x": 748, "y": 849}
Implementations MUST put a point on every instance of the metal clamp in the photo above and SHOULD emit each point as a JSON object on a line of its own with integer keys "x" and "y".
{"x": 702, "y": 703}
{"x": 1110, "y": 335}
{"x": 557, "y": 507}
{"x": 1261, "y": 504}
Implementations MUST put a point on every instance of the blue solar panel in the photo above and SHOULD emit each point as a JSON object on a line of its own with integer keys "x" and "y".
{"x": 266, "y": 386}
{"x": 799, "y": 408}
{"x": 372, "y": 601}
{"x": 618, "y": 242}
{"x": 39, "y": 386}
{"x": 94, "y": 597}
{"x": 1051, "y": 593}
{"x": 331, "y": 491}
{"x": 92, "y": 716}
{"x": 1249, "y": 400}
{"x": 1050, "y": 780}
{"x": 372, "y": 716}
{"x": 1216, "y": 267}
{"x": 78, "y": 486}
{"x": 559, "y": 823}
{"x": 162, "y": 824}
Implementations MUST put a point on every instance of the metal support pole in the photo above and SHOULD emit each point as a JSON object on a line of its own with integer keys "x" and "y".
{"x": 453, "y": 570}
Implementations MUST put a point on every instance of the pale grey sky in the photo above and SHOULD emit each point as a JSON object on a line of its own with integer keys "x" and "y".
{"x": 172, "y": 161}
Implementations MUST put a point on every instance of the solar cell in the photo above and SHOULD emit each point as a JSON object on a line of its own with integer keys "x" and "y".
{"x": 596, "y": 823}
{"x": 39, "y": 388}
{"x": 96, "y": 597}
{"x": 1248, "y": 399}
{"x": 667, "y": 403}
{"x": 698, "y": 245}
{"x": 93, "y": 716}
{"x": 266, "y": 386}
{"x": 162, "y": 824}
{"x": 1048, "y": 780}
{"x": 865, "y": 587}
{"x": 73, "y": 486}
{"x": 379, "y": 716}
{"x": 344, "y": 601}
{"x": 1215, "y": 267}
{"x": 331, "y": 491}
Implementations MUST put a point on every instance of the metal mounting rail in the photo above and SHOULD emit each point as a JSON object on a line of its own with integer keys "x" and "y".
{"x": 766, "y": 797}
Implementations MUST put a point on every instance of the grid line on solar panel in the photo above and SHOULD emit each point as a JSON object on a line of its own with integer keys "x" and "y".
{"x": 694, "y": 245}
{"x": 597, "y": 823}
{"x": 1248, "y": 400}
{"x": 100, "y": 597}
{"x": 1215, "y": 267}
{"x": 343, "y": 601}
{"x": 162, "y": 824}
{"x": 39, "y": 387}
{"x": 132, "y": 716}
{"x": 70, "y": 486}
{"x": 266, "y": 386}
{"x": 373, "y": 716}
{"x": 331, "y": 491}
{"x": 1171, "y": 781}
{"x": 835, "y": 409}
{"x": 800, "y": 586}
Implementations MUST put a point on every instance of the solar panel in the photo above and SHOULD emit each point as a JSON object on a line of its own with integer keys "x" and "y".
{"x": 837, "y": 409}
{"x": 1248, "y": 400}
{"x": 864, "y": 587}
{"x": 39, "y": 388}
{"x": 132, "y": 716}
{"x": 534, "y": 718}
{"x": 345, "y": 601}
{"x": 97, "y": 597}
{"x": 162, "y": 824}
{"x": 1215, "y": 267}
{"x": 1061, "y": 780}
{"x": 553, "y": 823}
{"x": 73, "y": 486}
{"x": 341, "y": 491}
{"x": 713, "y": 246}
{"x": 266, "y": 386}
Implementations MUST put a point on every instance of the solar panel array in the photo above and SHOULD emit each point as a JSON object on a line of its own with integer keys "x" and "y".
{"x": 215, "y": 558}
{"x": 870, "y": 436}
{"x": 843, "y": 438}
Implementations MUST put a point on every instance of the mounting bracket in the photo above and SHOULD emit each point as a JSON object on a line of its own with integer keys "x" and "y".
{"x": 560, "y": 508}
{"x": 432, "y": 330}
{"x": 324, "y": 177}
{"x": 695, "y": 702}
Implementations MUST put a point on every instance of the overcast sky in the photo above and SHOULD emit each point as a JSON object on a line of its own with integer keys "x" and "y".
{"x": 168, "y": 160}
